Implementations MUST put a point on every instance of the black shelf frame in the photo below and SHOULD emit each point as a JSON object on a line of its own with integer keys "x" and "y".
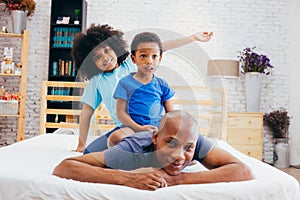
{"x": 62, "y": 52}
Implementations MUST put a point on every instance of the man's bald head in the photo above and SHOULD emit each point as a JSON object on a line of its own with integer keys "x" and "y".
{"x": 178, "y": 119}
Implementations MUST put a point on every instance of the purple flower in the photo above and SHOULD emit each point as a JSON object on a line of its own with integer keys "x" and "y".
{"x": 253, "y": 62}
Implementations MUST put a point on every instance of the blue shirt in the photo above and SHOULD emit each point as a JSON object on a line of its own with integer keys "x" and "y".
{"x": 145, "y": 102}
{"x": 137, "y": 150}
{"x": 102, "y": 86}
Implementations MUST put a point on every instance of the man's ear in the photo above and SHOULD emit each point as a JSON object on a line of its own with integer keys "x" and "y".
{"x": 133, "y": 58}
{"x": 154, "y": 137}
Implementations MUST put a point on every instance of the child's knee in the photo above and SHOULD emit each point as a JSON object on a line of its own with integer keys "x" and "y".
{"x": 114, "y": 138}
{"x": 118, "y": 135}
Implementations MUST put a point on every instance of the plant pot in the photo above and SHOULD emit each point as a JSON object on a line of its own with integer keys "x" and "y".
{"x": 253, "y": 89}
{"x": 282, "y": 153}
{"x": 19, "y": 18}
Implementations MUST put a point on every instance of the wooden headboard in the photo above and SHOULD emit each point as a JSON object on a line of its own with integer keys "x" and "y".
{"x": 72, "y": 112}
{"x": 207, "y": 105}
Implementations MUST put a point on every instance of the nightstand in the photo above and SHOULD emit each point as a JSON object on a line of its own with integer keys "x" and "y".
{"x": 244, "y": 132}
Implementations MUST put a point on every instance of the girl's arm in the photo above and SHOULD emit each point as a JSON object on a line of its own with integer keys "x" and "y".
{"x": 84, "y": 125}
{"x": 127, "y": 120}
{"x": 199, "y": 36}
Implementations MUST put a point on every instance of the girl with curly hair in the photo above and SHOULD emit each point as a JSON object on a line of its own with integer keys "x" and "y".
{"x": 102, "y": 57}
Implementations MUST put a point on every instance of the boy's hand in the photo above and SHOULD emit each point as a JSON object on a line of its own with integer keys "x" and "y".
{"x": 202, "y": 36}
{"x": 149, "y": 128}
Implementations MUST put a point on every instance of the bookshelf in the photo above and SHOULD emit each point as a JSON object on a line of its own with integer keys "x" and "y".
{"x": 68, "y": 17}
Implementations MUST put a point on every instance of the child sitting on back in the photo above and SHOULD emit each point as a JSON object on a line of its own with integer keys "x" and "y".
{"x": 142, "y": 98}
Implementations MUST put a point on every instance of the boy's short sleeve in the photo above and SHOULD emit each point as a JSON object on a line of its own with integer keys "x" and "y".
{"x": 91, "y": 95}
{"x": 121, "y": 91}
{"x": 168, "y": 93}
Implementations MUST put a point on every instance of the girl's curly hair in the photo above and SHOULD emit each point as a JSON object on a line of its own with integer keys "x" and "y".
{"x": 95, "y": 37}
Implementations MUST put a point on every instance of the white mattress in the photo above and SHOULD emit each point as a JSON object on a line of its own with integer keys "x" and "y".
{"x": 26, "y": 173}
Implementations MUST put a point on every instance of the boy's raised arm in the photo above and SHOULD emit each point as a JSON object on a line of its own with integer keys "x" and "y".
{"x": 199, "y": 36}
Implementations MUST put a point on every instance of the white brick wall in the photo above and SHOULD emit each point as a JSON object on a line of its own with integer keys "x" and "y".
{"x": 236, "y": 23}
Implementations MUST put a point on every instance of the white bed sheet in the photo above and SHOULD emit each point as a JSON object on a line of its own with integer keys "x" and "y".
{"x": 26, "y": 173}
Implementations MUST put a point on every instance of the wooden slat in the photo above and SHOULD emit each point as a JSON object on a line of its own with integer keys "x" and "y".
{"x": 11, "y": 75}
{"x": 63, "y": 111}
{"x": 66, "y": 84}
{"x": 75, "y": 125}
{"x": 8, "y": 115}
{"x": 197, "y": 102}
{"x": 198, "y": 88}
{"x": 23, "y": 84}
{"x": 62, "y": 98}
{"x": 11, "y": 35}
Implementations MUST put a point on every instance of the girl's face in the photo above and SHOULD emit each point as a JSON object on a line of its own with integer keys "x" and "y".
{"x": 105, "y": 58}
{"x": 147, "y": 57}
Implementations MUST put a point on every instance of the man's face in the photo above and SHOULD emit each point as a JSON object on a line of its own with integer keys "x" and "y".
{"x": 175, "y": 146}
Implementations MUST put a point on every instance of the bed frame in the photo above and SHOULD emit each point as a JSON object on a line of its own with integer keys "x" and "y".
{"x": 207, "y": 105}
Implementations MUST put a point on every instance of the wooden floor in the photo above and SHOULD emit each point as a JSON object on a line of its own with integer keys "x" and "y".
{"x": 293, "y": 171}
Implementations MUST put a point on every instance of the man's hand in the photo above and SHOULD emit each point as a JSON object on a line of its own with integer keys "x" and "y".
{"x": 147, "y": 179}
{"x": 202, "y": 36}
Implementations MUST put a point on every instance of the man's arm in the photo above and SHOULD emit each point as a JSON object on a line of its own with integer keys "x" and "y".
{"x": 199, "y": 36}
{"x": 84, "y": 121}
{"x": 91, "y": 168}
{"x": 223, "y": 168}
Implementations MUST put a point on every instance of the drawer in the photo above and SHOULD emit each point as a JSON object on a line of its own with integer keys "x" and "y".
{"x": 254, "y": 151}
{"x": 236, "y": 136}
{"x": 245, "y": 121}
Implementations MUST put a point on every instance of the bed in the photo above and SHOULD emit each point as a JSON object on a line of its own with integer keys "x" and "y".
{"x": 26, "y": 167}
{"x": 26, "y": 173}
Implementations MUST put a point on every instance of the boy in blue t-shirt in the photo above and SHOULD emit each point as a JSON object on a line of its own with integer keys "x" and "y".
{"x": 142, "y": 97}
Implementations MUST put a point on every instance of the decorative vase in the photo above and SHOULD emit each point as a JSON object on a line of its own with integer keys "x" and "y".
{"x": 253, "y": 89}
{"x": 19, "y": 18}
{"x": 282, "y": 153}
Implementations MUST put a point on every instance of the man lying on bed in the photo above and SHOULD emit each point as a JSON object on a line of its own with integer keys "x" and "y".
{"x": 150, "y": 161}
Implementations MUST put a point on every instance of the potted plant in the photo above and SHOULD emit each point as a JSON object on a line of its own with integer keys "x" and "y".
{"x": 19, "y": 9}
{"x": 254, "y": 62}
{"x": 279, "y": 121}
{"x": 22, "y": 5}
{"x": 253, "y": 65}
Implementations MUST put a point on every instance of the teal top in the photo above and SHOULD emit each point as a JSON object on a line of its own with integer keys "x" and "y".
{"x": 101, "y": 87}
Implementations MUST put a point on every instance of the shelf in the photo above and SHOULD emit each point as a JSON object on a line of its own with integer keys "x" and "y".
{"x": 5, "y": 115}
{"x": 62, "y": 78}
{"x": 67, "y": 25}
{"x": 56, "y": 104}
{"x": 11, "y": 75}
{"x": 22, "y": 83}
{"x": 11, "y": 35}
{"x": 62, "y": 48}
